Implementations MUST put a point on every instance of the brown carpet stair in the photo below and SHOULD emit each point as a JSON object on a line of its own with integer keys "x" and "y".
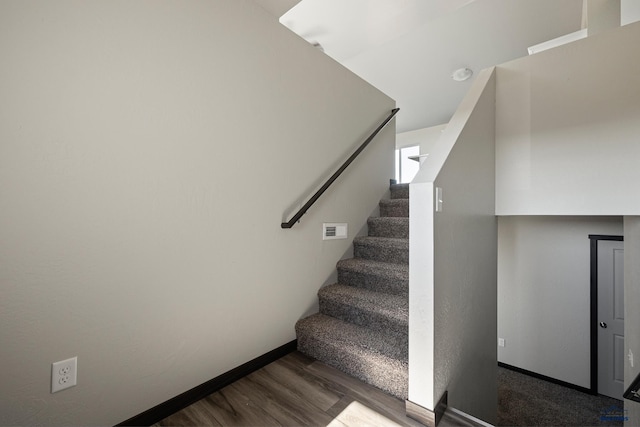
{"x": 362, "y": 327}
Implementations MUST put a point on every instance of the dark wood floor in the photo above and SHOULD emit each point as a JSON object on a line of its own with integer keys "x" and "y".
{"x": 296, "y": 391}
{"x": 299, "y": 391}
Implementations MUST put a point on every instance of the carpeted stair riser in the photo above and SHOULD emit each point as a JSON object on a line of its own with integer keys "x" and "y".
{"x": 399, "y": 191}
{"x": 397, "y": 227}
{"x": 382, "y": 249}
{"x": 377, "y": 359}
{"x": 374, "y": 310}
{"x": 394, "y": 207}
{"x": 327, "y": 328}
{"x": 358, "y": 365}
{"x": 374, "y": 275}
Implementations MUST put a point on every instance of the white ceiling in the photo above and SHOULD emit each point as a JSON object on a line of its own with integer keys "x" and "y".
{"x": 409, "y": 48}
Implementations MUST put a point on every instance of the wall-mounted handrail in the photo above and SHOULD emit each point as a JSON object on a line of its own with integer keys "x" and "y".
{"x": 335, "y": 176}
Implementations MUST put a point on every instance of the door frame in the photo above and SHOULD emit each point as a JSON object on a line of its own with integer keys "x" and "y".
{"x": 594, "y": 238}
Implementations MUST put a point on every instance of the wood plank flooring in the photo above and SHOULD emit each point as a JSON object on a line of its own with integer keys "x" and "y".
{"x": 295, "y": 391}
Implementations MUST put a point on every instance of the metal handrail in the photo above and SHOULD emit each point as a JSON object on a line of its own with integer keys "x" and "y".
{"x": 335, "y": 176}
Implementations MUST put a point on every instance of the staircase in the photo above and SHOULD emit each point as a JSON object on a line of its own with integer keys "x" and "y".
{"x": 362, "y": 327}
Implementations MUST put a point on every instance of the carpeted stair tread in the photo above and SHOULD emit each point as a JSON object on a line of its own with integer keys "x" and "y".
{"x": 371, "y": 356}
{"x": 389, "y": 226}
{"x": 399, "y": 191}
{"x": 378, "y": 276}
{"x": 394, "y": 207}
{"x": 375, "y": 310}
{"x": 385, "y": 249}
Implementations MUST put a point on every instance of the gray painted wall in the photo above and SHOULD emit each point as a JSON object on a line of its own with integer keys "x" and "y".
{"x": 564, "y": 116}
{"x": 150, "y": 150}
{"x": 543, "y": 293}
{"x": 566, "y": 144}
{"x": 465, "y": 268}
{"x": 631, "y": 316}
{"x": 453, "y": 261}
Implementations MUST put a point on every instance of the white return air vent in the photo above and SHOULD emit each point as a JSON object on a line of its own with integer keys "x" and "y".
{"x": 331, "y": 231}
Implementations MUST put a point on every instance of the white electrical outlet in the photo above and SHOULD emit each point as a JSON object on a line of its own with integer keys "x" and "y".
{"x": 501, "y": 342}
{"x": 64, "y": 374}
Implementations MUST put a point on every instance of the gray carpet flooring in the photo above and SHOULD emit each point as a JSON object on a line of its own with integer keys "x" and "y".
{"x": 527, "y": 401}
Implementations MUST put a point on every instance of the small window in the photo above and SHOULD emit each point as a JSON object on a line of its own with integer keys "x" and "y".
{"x": 406, "y": 169}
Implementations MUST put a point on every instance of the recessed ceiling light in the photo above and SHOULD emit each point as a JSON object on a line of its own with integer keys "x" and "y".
{"x": 462, "y": 74}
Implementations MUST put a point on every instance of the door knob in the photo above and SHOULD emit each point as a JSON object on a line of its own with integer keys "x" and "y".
{"x": 603, "y": 325}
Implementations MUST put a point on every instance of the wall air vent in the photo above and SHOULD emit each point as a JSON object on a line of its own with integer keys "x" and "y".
{"x": 332, "y": 231}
